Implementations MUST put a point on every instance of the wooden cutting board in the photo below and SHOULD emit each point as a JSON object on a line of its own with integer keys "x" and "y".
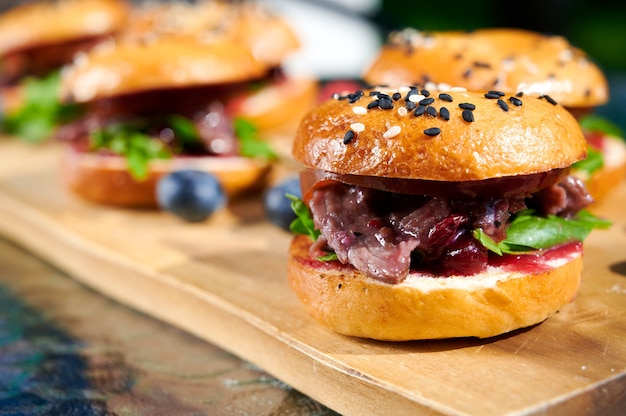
{"x": 224, "y": 281}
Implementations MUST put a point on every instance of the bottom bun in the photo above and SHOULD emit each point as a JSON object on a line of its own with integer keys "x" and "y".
{"x": 104, "y": 179}
{"x": 424, "y": 307}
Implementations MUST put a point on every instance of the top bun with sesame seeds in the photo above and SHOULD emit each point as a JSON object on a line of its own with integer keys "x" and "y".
{"x": 510, "y": 60}
{"x": 423, "y": 211}
{"x": 456, "y": 136}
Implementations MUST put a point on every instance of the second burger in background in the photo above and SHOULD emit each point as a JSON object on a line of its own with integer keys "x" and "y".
{"x": 181, "y": 88}
{"x": 512, "y": 61}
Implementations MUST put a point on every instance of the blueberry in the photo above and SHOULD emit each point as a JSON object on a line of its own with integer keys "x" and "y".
{"x": 278, "y": 206}
{"x": 190, "y": 194}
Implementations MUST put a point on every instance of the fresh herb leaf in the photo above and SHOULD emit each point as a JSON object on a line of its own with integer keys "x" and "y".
{"x": 303, "y": 224}
{"x": 528, "y": 232}
{"x": 328, "y": 257}
{"x": 184, "y": 129}
{"x": 138, "y": 148}
{"x": 593, "y": 162}
{"x": 41, "y": 111}
{"x": 250, "y": 144}
{"x": 594, "y": 122}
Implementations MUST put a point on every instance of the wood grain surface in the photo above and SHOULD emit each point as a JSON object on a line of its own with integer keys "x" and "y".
{"x": 224, "y": 281}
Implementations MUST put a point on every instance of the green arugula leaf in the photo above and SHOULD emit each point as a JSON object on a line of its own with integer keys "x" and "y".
{"x": 594, "y": 122}
{"x": 184, "y": 129}
{"x": 593, "y": 162}
{"x": 41, "y": 112}
{"x": 303, "y": 224}
{"x": 250, "y": 144}
{"x": 528, "y": 232}
{"x": 138, "y": 148}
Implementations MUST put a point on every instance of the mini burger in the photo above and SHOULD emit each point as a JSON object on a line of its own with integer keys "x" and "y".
{"x": 152, "y": 107}
{"x": 36, "y": 40}
{"x": 513, "y": 61}
{"x": 429, "y": 214}
{"x": 275, "y": 103}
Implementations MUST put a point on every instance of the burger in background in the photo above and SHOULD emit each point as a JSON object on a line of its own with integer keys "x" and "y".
{"x": 512, "y": 61}
{"x": 36, "y": 40}
{"x": 183, "y": 86}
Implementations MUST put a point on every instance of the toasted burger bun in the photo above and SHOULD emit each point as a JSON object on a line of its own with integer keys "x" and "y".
{"x": 509, "y": 60}
{"x": 532, "y": 138}
{"x": 426, "y": 307}
{"x": 267, "y": 36}
{"x": 47, "y": 23}
{"x": 105, "y": 179}
{"x": 112, "y": 69}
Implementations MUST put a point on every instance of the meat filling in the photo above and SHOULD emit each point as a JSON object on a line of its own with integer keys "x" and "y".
{"x": 385, "y": 235}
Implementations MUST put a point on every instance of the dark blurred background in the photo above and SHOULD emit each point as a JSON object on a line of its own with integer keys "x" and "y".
{"x": 342, "y": 35}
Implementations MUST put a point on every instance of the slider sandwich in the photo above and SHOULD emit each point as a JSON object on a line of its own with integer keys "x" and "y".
{"x": 36, "y": 40}
{"x": 513, "y": 61}
{"x": 429, "y": 214}
{"x": 149, "y": 108}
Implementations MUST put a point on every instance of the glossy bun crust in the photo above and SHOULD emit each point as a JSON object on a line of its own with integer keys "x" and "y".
{"x": 509, "y": 60}
{"x": 114, "y": 69}
{"x": 52, "y": 22}
{"x": 267, "y": 36}
{"x": 106, "y": 180}
{"x": 534, "y": 137}
{"x": 423, "y": 307}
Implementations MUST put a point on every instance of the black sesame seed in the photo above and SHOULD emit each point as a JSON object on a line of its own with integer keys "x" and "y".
{"x": 356, "y": 96}
{"x": 348, "y": 137}
{"x": 373, "y": 104}
{"x": 499, "y": 93}
{"x": 467, "y": 74}
{"x": 549, "y": 99}
{"x": 396, "y": 96}
{"x": 444, "y": 113}
{"x": 467, "y": 106}
{"x": 481, "y": 65}
{"x": 492, "y": 96}
{"x": 433, "y": 131}
{"x": 445, "y": 97}
{"x": 431, "y": 111}
{"x": 385, "y": 103}
{"x": 468, "y": 116}
{"x": 373, "y": 93}
{"x": 425, "y": 93}
{"x": 419, "y": 110}
{"x": 519, "y": 94}
{"x": 426, "y": 101}
{"x": 410, "y": 105}
{"x": 587, "y": 92}
{"x": 503, "y": 105}
{"x": 515, "y": 101}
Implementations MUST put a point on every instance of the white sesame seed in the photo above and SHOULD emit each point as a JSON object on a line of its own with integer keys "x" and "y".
{"x": 416, "y": 98}
{"x": 443, "y": 87}
{"x": 458, "y": 89}
{"x": 430, "y": 86}
{"x": 357, "y": 127}
{"x": 336, "y": 96}
{"x": 392, "y": 132}
{"x": 404, "y": 90}
{"x": 402, "y": 111}
{"x": 357, "y": 109}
